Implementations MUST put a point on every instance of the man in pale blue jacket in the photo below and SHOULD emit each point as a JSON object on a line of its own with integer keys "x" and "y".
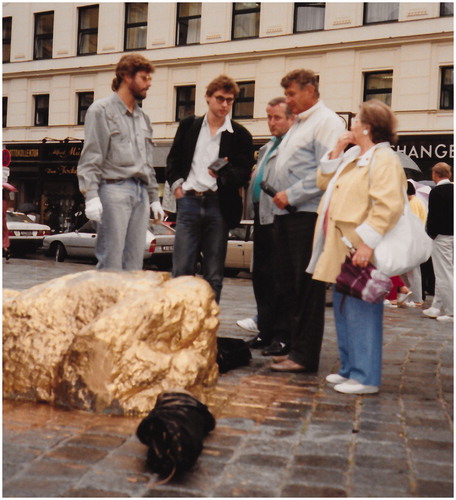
{"x": 302, "y": 306}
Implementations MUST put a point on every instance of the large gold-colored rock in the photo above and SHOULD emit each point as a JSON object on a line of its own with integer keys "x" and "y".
{"x": 110, "y": 341}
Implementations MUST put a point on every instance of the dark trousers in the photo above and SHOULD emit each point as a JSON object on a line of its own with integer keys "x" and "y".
{"x": 263, "y": 276}
{"x": 300, "y": 299}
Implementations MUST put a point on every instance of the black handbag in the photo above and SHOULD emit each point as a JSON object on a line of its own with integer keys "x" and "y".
{"x": 174, "y": 432}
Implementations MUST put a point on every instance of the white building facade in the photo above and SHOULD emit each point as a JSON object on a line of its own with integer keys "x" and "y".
{"x": 59, "y": 57}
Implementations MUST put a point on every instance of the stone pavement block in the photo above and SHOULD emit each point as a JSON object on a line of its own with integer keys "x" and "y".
{"x": 95, "y": 441}
{"x": 93, "y": 493}
{"x": 373, "y": 462}
{"x": 262, "y": 460}
{"x": 397, "y": 481}
{"x": 107, "y": 479}
{"x": 434, "y": 472}
{"x": 317, "y": 476}
{"x": 434, "y": 489}
{"x": 52, "y": 469}
{"x": 305, "y": 491}
{"x": 327, "y": 462}
{"x": 77, "y": 454}
{"x": 18, "y": 454}
{"x": 35, "y": 487}
{"x": 393, "y": 448}
{"x": 125, "y": 463}
{"x": 44, "y": 439}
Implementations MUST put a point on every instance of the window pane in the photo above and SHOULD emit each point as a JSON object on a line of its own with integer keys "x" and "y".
{"x": 379, "y": 81}
{"x": 239, "y": 6}
{"x": 6, "y": 27}
{"x": 5, "y": 110}
{"x": 446, "y": 9}
{"x": 189, "y": 9}
{"x": 44, "y": 24}
{"x": 43, "y": 49}
{"x": 448, "y": 76}
{"x": 310, "y": 17}
{"x": 137, "y": 13}
{"x": 89, "y": 18}
{"x": 246, "y": 25}
{"x": 244, "y": 109}
{"x": 41, "y": 110}
{"x": 246, "y": 90}
{"x": 136, "y": 37}
{"x": 381, "y": 12}
{"x": 185, "y": 101}
{"x": 386, "y": 98}
{"x": 88, "y": 43}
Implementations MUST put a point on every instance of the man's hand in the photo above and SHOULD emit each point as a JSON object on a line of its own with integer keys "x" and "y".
{"x": 281, "y": 199}
{"x": 178, "y": 193}
{"x": 157, "y": 210}
{"x": 94, "y": 209}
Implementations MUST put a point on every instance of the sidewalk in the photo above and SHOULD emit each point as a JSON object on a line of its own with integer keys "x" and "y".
{"x": 277, "y": 434}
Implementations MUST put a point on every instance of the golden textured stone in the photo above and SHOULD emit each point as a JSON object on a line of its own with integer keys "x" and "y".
{"x": 110, "y": 341}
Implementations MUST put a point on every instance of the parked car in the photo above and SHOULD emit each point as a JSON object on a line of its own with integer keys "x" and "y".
{"x": 81, "y": 243}
{"x": 25, "y": 235}
{"x": 239, "y": 254}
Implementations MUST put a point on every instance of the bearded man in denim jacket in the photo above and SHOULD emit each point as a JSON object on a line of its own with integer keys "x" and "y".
{"x": 115, "y": 170}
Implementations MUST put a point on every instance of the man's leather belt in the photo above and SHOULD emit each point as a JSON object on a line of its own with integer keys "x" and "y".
{"x": 200, "y": 193}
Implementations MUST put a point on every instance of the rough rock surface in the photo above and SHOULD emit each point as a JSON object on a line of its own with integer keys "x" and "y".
{"x": 109, "y": 341}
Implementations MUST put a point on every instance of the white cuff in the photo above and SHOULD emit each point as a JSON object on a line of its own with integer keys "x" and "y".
{"x": 370, "y": 236}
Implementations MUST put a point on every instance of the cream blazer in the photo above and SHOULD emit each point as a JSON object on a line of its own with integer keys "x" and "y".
{"x": 364, "y": 198}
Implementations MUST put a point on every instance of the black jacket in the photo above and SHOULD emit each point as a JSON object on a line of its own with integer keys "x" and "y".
{"x": 236, "y": 146}
{"x": 440, "y": 215}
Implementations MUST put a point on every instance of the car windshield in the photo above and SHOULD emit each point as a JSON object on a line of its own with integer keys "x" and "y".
{"x": 88, "y": 227}
{"x": 17, "y": 217}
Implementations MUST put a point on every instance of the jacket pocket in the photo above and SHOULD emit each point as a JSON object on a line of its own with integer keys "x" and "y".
{"x": 121, "y": 150}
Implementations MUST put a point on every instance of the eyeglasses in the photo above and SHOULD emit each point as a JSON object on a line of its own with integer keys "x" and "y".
{"x": 221, "y": 99}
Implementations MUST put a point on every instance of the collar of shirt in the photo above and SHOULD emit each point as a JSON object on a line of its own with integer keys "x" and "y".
{"x": 123, "y": 107}
{"x": 305, "y": 114}
{"x": 227, "y": 126}
{"x": 367, "y": 156}
{"x": 443, "y": 181}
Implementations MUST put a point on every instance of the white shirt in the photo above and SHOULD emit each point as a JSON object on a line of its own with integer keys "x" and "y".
{"x": 206, "y": 152}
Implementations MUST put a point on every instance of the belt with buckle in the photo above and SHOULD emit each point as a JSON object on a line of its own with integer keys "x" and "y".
{"x": 192, "y": 192}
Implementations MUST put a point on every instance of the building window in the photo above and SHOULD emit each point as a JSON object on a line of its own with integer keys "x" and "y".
{"x": 88, "y": 30}
{"x": 4, "y": 111}
{"x": 185, "y": 102}
{"x": 246, "y": 20}
{"x": 381, "y": 12}
{"x": 7, "y": 21}
{"x": 135, "y": 26}
{"x": 44, "y": 32}
{"x": 446, "y": 9}
{"x": 309, "y": 17}
{"x": 41, "y": 110}
{"x": 379, "y": 86}
{"x": 447, "y": 87}
{"x": 188, "y": 23}
{"x": 243, "y": 105}
{"x": 85, "y": 99}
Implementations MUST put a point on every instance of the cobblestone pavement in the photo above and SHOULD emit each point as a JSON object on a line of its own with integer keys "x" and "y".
{"x": 277, "y": 434}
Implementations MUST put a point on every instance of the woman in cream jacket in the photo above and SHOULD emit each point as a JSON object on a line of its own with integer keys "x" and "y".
{"x": 364, "y": 198}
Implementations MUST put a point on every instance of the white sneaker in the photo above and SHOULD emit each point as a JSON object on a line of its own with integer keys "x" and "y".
{"x": 335, "y": 378}
{"x": 387, "y": 303}
{"x": 445, "y": 318}
{"x": 354, "y": 387}
{"x": 432, "y": 312}
{"x": 248, "y": 324}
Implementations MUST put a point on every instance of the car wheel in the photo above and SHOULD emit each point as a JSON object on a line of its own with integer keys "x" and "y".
{"x": 60, "y": 252}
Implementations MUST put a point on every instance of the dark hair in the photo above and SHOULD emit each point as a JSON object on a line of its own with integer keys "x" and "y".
{"x": 281, "y": 100}
{"x": 410, "y": 188}
{"x": 442, "y": 170}
{"x": 129, "y": 65}
{"x": 224, "y": 83}
{"x": 302, "y": 77}
{"x": 380, "y": 119}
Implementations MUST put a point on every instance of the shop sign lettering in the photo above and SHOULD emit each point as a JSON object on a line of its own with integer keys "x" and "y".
{"x": 423, "y": 151}
{"x": 61, "y": 170}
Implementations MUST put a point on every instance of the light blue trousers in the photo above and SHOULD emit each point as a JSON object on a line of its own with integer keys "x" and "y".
{"x": 121, "y": 235}
{"x": 359, "y": 327}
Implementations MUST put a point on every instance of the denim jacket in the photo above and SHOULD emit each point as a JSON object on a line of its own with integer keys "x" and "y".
{"x": 117, "y": 145}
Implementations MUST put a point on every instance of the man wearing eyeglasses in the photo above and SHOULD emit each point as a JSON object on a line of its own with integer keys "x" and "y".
{"x": 208, "y": 203}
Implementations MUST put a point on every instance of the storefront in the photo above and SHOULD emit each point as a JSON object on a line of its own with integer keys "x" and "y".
{"x": 45, "y": 176}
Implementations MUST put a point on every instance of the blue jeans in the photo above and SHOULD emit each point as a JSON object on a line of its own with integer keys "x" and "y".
{"x": 359, "y": 327}
{"x": 200, "y": 228}
{"x": 121, "y": 239}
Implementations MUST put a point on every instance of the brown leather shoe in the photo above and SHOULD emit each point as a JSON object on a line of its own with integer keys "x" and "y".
{"x": 279, "y": 359}
{"x": 288, "y": 366}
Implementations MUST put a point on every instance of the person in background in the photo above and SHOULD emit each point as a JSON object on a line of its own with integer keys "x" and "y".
{"x": 115, "y": 171}
{"x": 260, "y": 209}
{"x": 300, "y": 300}
{"x": 208, "y": 203}
{"x": 439, "y": 226}
{"x": 5, "y": 235}
{"x": 364, "y": 199}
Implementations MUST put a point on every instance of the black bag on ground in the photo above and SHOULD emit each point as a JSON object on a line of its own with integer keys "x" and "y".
{"x": 174, "y": 432}
{"x": 232, "y": 353}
